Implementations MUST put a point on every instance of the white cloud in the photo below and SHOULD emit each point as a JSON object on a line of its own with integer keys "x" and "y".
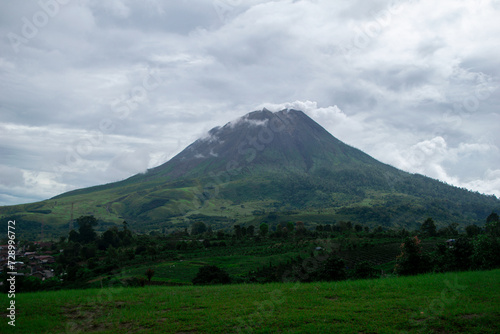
{"x": 415, "y": 86}
{"x": 11, "y": 177}
{"x": 488, "y": 184}
{"x": 128, "y": 163}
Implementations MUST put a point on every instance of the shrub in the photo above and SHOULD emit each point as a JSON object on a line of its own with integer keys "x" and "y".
{"x": 460, "y": 255}
{"x": 135, "y": 281}
{"x": 332, "y": 269}
{"x": 412, "y": 261}
{"x": 485, "y": 253}
{"x": 364, "y": 270}
{"x": 211, "y": 275}
{"x": 149, "y": 274}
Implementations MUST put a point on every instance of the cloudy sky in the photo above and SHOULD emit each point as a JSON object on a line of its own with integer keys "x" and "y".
{"x": 95, "y": 91}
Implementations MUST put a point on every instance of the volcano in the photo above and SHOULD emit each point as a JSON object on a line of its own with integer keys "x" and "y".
{"x": 287, "y": 141}
{"x": 273, "y": 167}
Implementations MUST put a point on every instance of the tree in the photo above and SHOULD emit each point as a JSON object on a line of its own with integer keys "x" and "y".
{"x": 237, "y": 231}
{"x": 112, "y": 257}
{"x": 250, "y": 230}
{"x": 211, "y": 275}
{"x": 448, "y": 231}
{"x": 300, "y": 228}
{"x": 332, "y": 269}
{"x": 364, "y": 270}
{"x": 428, "y": 227}
{"x": 111, "y": 238}
{"x": 358, "y": 228}
{"x": 88, "y": 251}
{"x": 411, "y": 261}
{"x": 198, "y": 228}
{"x": 264, "y": 228}
{"x": 493, "y": 217}
{"x": 125, "y": 235}
{"x": 86, "y": 228}
{"x": 210, "y": 231}
{"x": 344, "y": 226}
{"x": 472, "y": 230}
{"x": 74, "y": 236}
{"x": 404, "y": 233}
{"x": 493, "y": 225}
{"x": 149, "y": 274}
{"x": 152, "y": 251}
{"x": 459, "y": 256}
{"x": 486, "y": 250}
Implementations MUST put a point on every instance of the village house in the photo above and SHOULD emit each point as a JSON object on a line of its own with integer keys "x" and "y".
{"x": 43, "y": 274}
{"x": 45, "y": 259}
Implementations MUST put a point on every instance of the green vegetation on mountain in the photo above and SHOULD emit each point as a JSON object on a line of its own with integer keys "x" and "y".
{"x": 264, "y": 167}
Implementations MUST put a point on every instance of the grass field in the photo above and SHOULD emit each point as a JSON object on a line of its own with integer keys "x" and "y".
{"x": 466, "y": 302}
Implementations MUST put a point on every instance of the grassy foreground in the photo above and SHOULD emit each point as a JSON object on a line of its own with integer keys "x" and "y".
{"x": 436, "y": 303}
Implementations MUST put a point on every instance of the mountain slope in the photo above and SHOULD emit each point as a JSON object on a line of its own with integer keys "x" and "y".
{"x": 270, "y": 167}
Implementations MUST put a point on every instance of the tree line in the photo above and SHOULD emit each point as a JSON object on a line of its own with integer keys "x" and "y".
{"x": 85, "y": 254}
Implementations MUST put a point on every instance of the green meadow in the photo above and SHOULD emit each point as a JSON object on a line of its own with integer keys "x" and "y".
{"x": 466, "y": 302}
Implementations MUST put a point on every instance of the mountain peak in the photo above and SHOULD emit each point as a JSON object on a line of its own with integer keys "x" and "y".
{"x": 284, "y": 140}
{"x": 264, "y": 115}
{"x": 282, "y": 161}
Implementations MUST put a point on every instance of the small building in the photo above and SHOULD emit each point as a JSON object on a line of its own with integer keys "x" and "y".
{"x": 42, "y": 244}
{"x": 48, "y": 273}
{"x": 48, "y": 259}
{"x": 38, "y": 274}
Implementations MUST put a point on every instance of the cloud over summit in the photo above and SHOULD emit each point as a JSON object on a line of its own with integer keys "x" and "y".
{"x": 90, "y": 88}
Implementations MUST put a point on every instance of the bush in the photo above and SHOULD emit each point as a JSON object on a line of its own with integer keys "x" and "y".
{"x": 364, "y": 270}
{"x": 460, "y": 255}
{"x": 332, "y": 269}
{"x": 29, "y": 283}
{"x": 149, "y": 274}
{"x": 454, "y": 257}
{"x": 485, "y": 253}
{"x": 211, "y": 275}
{"x": 412, "y": 261}
{"x": 134, "y": 281}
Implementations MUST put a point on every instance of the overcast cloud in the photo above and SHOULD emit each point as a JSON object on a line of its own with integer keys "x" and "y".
{"x": 93, "y": 92}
